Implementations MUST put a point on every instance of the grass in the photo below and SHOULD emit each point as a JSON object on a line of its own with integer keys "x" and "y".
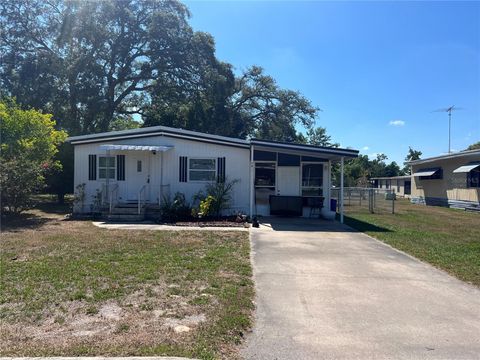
{"x": 72, "y": 289}
{"x": 446, "y": 238}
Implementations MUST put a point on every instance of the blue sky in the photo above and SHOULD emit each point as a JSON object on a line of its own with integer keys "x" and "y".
{"x": 377, "y": 69}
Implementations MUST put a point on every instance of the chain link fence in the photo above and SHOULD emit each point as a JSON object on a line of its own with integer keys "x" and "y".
{"x": 368, "y": 199}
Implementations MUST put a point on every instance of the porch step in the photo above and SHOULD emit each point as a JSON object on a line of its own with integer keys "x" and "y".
{"x": 125, "y": 217}
{"x": 129, "y": 205}
{"x": 128, "y": 210}
{"x": 125, "y": 212}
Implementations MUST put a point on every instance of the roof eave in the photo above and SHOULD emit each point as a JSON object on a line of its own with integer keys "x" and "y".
{"x": 444, "y": 157}
{"x": 305, "y": 148}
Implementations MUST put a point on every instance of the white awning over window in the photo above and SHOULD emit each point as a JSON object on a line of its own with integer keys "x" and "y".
{"x": 136, "y": 147}
{"x": 425, "y": 172}
{"x": 466, "y": 168}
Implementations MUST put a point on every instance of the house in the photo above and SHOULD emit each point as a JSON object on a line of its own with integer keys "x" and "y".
{"x": 401, "y": 185}
{"x": 448, "y": 180}
{"x": 141, "y": 167}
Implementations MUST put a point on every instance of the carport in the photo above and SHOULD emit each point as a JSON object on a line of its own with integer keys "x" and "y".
{"x": 293, "y": 179}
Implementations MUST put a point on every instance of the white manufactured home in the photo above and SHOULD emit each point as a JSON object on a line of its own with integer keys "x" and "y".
{"x": 144, "y": 166}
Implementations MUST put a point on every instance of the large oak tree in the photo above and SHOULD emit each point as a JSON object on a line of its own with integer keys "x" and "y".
{"x": 95, "y": 64}
{"x": 90, "y": 62}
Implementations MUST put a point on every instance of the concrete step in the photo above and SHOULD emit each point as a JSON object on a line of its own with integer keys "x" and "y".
{"x": 127, "y": 210}
{"x": 127, "y": 205}
{"x": 125, "y": 217}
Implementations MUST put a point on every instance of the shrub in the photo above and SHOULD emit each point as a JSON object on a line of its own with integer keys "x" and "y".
{"x": 206, "y": 207}
{"x": 19, "y": 179}
{"x": 175, "y": 210}
{"x": 218, "y": 197}
{"x": 79, "y": 197}
{"x": 96, "y": 205}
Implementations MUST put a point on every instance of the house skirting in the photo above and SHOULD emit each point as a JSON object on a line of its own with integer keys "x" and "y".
{"x": 433, "y": 201}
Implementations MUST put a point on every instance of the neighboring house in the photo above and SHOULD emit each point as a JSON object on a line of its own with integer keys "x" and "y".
{"x": 449, "y": 180}
{"x": 401, "y": 185}
{"x": 144, "y": 166}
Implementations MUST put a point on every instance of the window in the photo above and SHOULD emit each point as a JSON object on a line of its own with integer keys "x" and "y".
{"x": 106, "y": 167}
{"x": 265, "y": 174}
{"x": 473, "y": 178}
{"x": 139, "y": 165}
{"x": 312, "y": 179}
{"x": 202, "y": 169}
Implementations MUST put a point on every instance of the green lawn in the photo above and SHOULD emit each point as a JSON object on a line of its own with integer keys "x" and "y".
{"x": 446, "y": 238}
{"x": 71, "y": 289}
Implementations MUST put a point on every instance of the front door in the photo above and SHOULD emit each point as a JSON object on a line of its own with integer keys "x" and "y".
{"x": 288, "y": 183}
{"x": 137, "y": 175}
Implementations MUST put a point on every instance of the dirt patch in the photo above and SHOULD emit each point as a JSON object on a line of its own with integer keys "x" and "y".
{"x": 186, "y": 324}
{"x": 111, "y": 311}
{"x": 106, "y": 323}
{"x": 72, "y": 289}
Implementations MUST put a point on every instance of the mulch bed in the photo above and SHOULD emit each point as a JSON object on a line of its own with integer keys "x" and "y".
{"x": 218, "y": 223}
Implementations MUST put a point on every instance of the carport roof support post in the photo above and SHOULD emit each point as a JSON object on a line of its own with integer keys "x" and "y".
{"x": 341, "y": 189}
{"x": 252, "y": 182}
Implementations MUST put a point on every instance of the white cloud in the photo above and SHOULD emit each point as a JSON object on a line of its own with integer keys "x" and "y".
{"x": 397, "y": 122}
{"x": 365, "y": 148}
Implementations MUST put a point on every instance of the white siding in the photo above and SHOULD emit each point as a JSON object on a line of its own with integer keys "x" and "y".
{"x": 236, "y": 167}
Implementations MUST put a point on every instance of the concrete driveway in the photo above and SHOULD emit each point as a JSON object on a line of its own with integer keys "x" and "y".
{"x": 325, "y": 292}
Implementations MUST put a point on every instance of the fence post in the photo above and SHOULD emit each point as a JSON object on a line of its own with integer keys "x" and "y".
{"x": 371, "y": 198}
{"x": 393, "y": 205}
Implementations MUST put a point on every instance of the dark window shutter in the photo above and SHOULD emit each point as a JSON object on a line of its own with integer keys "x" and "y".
{"x": 182, "y": 170}
{"x": 121, "y": 167}
{"x": 92, "y": 167}
{"x": 221, "y": 169}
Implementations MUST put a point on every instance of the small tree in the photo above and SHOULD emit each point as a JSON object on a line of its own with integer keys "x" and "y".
{"x": 318, "y": 136}
{"x": 411, "y": 156}
{"x": 29, "y": 142}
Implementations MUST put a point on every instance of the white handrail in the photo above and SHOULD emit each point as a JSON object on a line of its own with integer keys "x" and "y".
{"x": 114, "y": 190}
{"x": 142, "y": 190}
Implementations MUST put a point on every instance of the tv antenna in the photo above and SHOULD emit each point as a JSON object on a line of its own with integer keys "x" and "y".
{"x": 449, "y": 111}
